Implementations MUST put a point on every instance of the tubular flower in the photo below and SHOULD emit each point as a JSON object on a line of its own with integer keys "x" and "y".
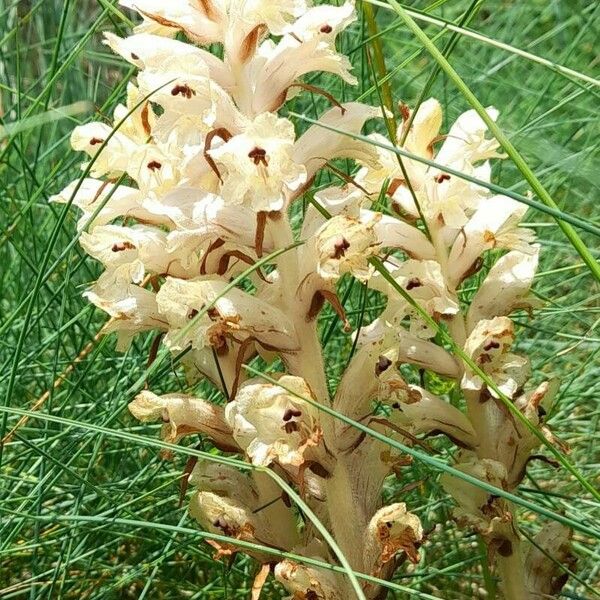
{"x": 392, "y": 529}
{"x": 183, "y": 415}
{"x": 191, "y": 205}
{"x": 424, "y": 282}
{"x": 274, "y": 424}
{"x": 487, "y": 514}
{"x": 305, "y": 582}
{"x": 418, "y": 411}
{"x": 554, "y": 550}
{"x": 262, "y": 180}
{"x": 237, "y": 316}
{"x": 488, "y": 345}
{"x": 344, "y": 245}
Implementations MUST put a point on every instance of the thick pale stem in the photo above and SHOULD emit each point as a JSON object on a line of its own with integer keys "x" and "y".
{"x": 485, "y": 418}
{"x": 512, "y": 574}
{"x": 347, "y": 524}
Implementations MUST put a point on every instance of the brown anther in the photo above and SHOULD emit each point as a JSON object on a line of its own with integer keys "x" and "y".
{"x": 122, "y": 246}
{"x": 442, "y": 177}
{"x": 383, "y": 363}
{"x": 192, "y": 314}
{"x": 213, "y": 313}
{"x": 290, "y": 413}
{"x": 183, "y": 90}
{"x": 153, "y": 165}
{"x": 339, "y": 248}
{"x": 326, "y": 28}
{"x": 291, "y": 427}
{"x": 135, "y": 56}
{"x": 413, "y": 283}
{"x": 258, "y": 156}
{"x": 95, "y": 141}
{"x": 483, "y": 359}
{"x": 491, "y": 345}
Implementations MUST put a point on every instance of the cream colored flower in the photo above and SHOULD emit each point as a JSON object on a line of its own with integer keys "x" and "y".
{"x": 395, "y": 233}
{"x": 324, "y": 22}
{"x": 488, "y": 346}
{"x": 506, "y": 287}
{"x": 272, "y": 424}
{"x": 345, "y": 201}
{"x": 391, "y": 530}
{"x": 418, "y": 411}
{"x": 115, "y": 245}
{"x": 233, "y": 317}
{"x": 276, "y": 67}
{"x": 545, "y": 560}
{"x": 425, "y": 128}
{"x": 445, "y": 200}
{"x": 331, "y": 137}
{"x": 102, "y": 202}
{"x": 476, "y": 508}
{"x": 225, "y": 481}
{"x": 387, "y": 169}
{"x": 202, "y": 21}
{"x": 424, "y": 282}
{"x": 133, "y": 308}
{"x": 230, "y": 517}
{"x": 305, "y": 582}
{"x": 344, "y": 245}
{"x": 183, "y": 415}
{"x": 514, "y": 442}
{"x": 466, "y": 142}
{"x": 257, "y": 167}
{"x": 495, "y": 224}
{"x": 155, "y": 166}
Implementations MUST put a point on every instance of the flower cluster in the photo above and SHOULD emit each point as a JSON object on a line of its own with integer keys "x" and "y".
{"x": 191, "y": 186}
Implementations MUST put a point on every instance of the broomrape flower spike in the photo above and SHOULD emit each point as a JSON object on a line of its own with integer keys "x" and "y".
{"x": 209, "y": 172}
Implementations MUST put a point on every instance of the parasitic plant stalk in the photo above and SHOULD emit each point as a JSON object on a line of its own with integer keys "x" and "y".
{"x": 209, "y": 176}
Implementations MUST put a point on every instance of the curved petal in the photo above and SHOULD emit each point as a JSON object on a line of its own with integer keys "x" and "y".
{"x": 319, "y": 144}
{"x": 506, "y": 287}
{"x": 183, "y": 415}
